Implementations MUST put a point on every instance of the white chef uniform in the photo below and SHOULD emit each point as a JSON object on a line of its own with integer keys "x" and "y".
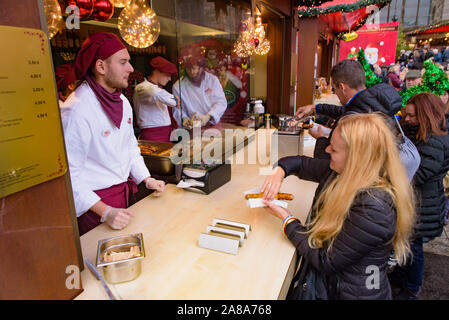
{"x": 150, "y": 105}
{"x": 99, "y": 154}
{"x": 208, "y": 98}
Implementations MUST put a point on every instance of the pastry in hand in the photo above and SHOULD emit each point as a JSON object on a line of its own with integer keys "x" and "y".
{"x": 279, "y": 196}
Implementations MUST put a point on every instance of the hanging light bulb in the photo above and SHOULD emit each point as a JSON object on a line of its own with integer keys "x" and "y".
{"x": 54, "y": 17}
{"x": 138, "y": 24}
{"x": 120, "y": 3}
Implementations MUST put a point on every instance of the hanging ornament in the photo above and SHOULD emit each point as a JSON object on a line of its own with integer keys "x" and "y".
{"x": 349, "y": 36}
{"x": 256, "y": 42}
{"x": 54, "y": 17}
{"x": 103, "y": 10}
{"x": 85, "y": 7}
{"x": 138, "y": 24}
{"x": 120, "y": 3}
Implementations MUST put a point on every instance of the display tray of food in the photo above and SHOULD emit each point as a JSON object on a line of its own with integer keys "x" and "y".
{"x": 157, "y": 156}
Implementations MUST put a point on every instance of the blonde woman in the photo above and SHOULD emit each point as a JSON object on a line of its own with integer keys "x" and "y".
{"x": 363, "y": 208}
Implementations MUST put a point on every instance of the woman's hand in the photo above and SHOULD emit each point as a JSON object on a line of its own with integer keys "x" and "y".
{"x": 272, "y": 184}
{"x": 276, "y": 210}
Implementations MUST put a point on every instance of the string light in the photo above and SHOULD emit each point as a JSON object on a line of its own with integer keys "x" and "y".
{"x": 138, "y": 24}
{"x": 252, "y": 39}
{"x": 54, "y": 17}
{"x": 120, "y": 3}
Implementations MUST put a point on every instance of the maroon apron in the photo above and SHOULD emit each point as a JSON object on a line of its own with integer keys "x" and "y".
{"x": 116, "y": 196}
{"x": 160, "y": 134}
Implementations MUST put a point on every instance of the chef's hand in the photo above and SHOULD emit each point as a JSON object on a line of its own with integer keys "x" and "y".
{"x": 204, "y": 118}
{"x": 158, "y": 185}
{"x": 116, "y": 218}
{"x": 316, "y": 131}
{"x": 272, "y": 184}
{"x": 186, "y": 123}
{"x": 276, "y": 210}
{"x": 305, "y": 111}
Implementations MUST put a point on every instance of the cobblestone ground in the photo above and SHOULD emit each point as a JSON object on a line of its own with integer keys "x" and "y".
{"x": 439, "y": 245}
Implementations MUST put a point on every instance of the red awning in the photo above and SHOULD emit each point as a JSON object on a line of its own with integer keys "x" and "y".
{"x": 343, "y": 15}
{"x": 442, "y": 27}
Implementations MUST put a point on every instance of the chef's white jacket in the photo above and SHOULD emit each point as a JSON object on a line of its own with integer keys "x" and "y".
{"x": 99, "y": 154}
{"x": 150, "y": 105}
{"x": 208, "y": 98}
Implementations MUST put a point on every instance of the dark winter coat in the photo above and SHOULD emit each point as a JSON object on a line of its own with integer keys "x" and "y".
{"x": 378, "y": 98}
{"x": 428, "y": 182}
{"x": 363, "y": 243}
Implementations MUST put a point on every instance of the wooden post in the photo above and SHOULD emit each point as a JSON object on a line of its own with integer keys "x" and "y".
{"x": 307, "y": 49}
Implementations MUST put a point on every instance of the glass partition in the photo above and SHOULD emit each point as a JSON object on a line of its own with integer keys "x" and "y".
{"x": 195, "y": 35}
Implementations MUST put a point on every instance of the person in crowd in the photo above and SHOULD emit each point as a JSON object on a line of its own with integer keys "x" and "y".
{"x": 201, "y": 94}
{"x": 104, "y": 159}
{"x": 348, "y": 82}
{"x": 363, "y": 207}
{"x": 412, "y": 78}
{"x": 65, "y": 81}
{"x": 437, "y": 56}
{"x": 151, "y": 101}
{"x": 445, "y": 56}
{"x": 428, "y": 53}
{"x": 402, "y": 60}
{"x": 426, "y": 128}
{"x": 393, "y": 76}
{"x": 380, "y": 72}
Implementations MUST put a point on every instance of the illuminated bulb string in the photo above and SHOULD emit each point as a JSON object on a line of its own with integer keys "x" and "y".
{"x": 138, "y": 24}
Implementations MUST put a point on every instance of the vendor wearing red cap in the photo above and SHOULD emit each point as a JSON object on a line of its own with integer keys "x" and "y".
{"x": 201, "y": 93}
{"x": 104, "y": 158}
{"x": 151, "y": 101}
{"x": 65, "y": 81}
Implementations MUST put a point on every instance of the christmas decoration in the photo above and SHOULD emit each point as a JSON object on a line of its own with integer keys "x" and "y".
{"x": 85, "y": 7}
{"x": 120, "y": 3}
{"x": 103, "y": 10}
{"x": 349, "y": 36}
{"x": 371, "y": 78}
{"x": 314, "y": 11}
{"x": 138, "y": 24}
{"x": 252, "y": 39}
{"x": 435, "y": 81}
{"x": 54, "y": 17}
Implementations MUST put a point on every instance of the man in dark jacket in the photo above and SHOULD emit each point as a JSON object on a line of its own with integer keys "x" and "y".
{"x": 348, "y": 81}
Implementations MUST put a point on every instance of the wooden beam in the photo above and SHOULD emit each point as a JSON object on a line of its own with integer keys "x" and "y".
{"x": 307, "y": 49}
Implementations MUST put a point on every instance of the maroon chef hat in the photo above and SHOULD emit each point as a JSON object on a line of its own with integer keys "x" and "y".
{"x": 163, "y": 65}
{"x": 99, "y": 45}
{"x": 194, "y": 56}
{"x": 65, "y": 75}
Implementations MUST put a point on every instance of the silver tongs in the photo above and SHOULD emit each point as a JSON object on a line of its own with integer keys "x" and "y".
{"x": 299, "y": 120}
{"x": 99, "y": 277}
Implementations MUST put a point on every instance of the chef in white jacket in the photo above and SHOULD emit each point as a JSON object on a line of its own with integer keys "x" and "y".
{"x": 200, "y": 93}
{"x": 151, "y": 101}
{"x": 104, "y": 159}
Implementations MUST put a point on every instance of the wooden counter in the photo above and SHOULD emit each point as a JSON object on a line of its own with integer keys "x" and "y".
{"x": 175, "y": 267}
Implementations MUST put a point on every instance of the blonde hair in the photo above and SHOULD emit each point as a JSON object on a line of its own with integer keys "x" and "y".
{"x": 372, "y": 163}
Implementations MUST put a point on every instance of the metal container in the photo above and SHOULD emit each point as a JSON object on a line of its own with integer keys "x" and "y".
{"x": 157, "y": 163}
{"x": 122, "y": 270}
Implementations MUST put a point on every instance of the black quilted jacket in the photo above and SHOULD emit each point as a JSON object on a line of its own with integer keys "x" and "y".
{"x": 364, "y": 243}
{"x": 428, "y": 182}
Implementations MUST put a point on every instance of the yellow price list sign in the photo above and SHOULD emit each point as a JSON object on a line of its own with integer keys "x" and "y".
{"x": 31, "y": 141}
